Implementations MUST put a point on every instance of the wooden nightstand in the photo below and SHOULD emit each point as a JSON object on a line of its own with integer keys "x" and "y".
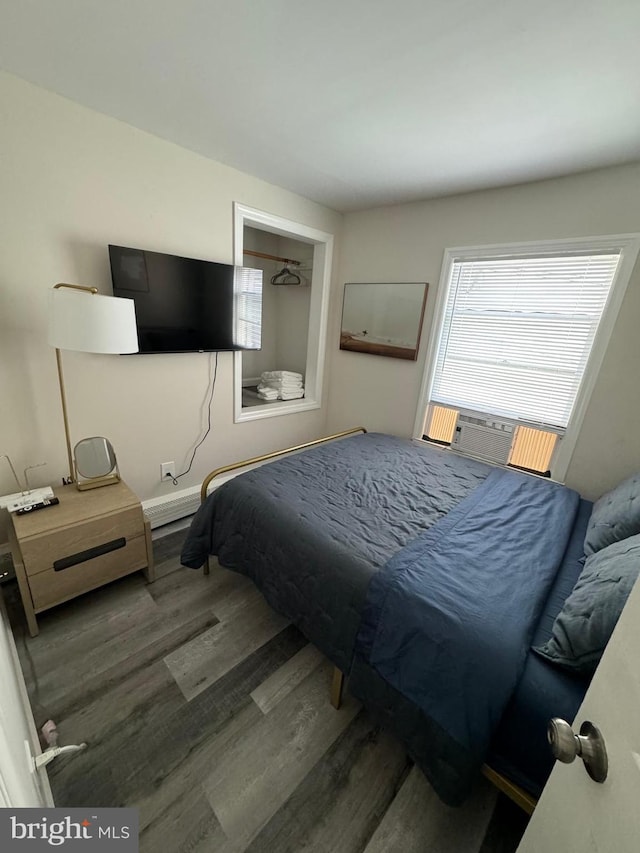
{"x": 87, "y": 540}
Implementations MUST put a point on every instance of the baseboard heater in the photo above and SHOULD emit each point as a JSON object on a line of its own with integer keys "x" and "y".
{"x": 172, "y": 507}
{"x": 177, "y": 505}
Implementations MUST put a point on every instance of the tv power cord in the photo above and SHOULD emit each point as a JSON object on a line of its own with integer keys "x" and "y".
{"x": 209, "y": 395}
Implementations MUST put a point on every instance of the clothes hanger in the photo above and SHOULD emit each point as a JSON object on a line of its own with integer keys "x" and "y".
{"x": 286, "y": 276}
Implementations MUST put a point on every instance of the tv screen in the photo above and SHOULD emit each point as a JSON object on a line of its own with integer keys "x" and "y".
{"x": 187, "y": 305}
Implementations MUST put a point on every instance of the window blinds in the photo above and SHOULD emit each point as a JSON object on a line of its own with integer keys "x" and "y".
{"x": 247, "y": 291}
{"x": 518, "y": 331}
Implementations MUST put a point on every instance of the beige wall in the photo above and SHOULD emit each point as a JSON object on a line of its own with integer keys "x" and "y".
{"x": 72, "y": 181}
{"x": 406, "y": 243}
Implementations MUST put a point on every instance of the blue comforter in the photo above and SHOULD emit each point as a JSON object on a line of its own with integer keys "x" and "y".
{"x": 449, "y": 620}
{"x": 313, "y": 528}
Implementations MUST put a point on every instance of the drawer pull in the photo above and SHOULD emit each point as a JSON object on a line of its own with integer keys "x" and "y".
{"x": 89, "y": 554}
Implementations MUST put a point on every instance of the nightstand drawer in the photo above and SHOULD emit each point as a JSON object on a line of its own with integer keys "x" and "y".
{"x": 42, "y": 552}
{"x": 53, "y": 587}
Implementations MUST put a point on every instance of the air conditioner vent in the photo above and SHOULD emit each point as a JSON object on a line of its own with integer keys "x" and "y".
{"x": 484, "y": 438}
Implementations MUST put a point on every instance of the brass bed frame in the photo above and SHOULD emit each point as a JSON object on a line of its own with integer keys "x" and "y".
{"x": 513, "y": 791}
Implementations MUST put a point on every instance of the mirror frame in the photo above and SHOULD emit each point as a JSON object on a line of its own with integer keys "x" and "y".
{"x": 110, "y": 477}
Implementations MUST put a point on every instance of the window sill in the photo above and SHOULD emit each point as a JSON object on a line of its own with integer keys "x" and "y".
{"x": 274, "y": 410}
{"x": 447, "y": 448}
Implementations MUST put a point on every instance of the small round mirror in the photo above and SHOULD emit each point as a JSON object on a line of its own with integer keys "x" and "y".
{"x": 95, "y": 457}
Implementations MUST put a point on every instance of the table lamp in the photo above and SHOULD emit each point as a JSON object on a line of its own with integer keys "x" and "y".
{"x": 83, "y": 320}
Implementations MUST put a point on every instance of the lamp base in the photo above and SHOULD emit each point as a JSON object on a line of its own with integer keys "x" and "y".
{"x": 109, "y": 480}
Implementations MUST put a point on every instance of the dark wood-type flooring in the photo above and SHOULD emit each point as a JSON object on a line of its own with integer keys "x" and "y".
{"x": 209, "y": 713}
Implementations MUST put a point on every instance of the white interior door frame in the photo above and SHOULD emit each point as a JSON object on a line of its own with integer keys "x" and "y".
{"x": 318, "y": 309}
{"x": 20, "y": 785}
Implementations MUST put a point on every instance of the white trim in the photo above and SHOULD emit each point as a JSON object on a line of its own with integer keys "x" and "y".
{"x": 318, "y": 310}
{"x": 273, "y": 410}
{"x": 432, "y": 349}
{"x": 20, "y": 784}
{"x": 545, "y": 247}
{"x": 628, "y": 244}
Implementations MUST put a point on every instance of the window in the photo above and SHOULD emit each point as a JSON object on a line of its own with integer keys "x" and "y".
{"x": 516, "y": 332}
{"x": 247, "y": 292}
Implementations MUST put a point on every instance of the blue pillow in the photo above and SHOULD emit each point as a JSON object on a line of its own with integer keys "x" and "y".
{"x": 584, "y": 625}
{"x": 615, "y": 516}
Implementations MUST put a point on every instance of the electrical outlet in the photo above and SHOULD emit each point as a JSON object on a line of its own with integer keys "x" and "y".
{"x": 167, "y": 471}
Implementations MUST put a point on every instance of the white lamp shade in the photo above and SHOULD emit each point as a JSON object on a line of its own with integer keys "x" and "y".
{"x": 89, "y": 322}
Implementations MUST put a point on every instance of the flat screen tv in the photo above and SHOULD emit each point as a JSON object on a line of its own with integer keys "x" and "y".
{"x": 187, "y": 305}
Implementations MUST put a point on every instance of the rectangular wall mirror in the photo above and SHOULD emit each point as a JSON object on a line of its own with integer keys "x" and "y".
{"x": 383, "y": 318}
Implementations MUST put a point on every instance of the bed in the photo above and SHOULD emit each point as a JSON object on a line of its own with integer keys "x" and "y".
{"x": 426, "y": 578}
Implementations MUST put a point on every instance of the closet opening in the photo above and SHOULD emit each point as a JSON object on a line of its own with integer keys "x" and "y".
{"x": 285, "y": 376}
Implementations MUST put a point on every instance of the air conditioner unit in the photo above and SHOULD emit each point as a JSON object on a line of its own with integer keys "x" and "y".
{"x": 485, "y": 438}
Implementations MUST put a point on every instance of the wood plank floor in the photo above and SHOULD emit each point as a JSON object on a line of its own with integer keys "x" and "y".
{"x": 209, "y": 713}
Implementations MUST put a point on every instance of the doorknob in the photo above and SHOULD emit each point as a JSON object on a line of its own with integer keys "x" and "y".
{"x": 589, "y": 745}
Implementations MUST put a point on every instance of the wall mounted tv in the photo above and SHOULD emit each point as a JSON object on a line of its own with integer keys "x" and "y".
{"x": 187, "y": 305}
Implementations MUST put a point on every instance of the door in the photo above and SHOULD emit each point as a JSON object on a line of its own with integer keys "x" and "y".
{"x": 20, "y": 785}
{"x": 576, "y": 814}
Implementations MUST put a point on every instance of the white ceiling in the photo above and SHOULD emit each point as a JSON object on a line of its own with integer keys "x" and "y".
{"x": 352, "y": 103}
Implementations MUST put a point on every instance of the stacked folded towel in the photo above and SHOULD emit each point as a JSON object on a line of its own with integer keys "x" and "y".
{"x": 267, "y": 393}
{"x": 280, "y": 385}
